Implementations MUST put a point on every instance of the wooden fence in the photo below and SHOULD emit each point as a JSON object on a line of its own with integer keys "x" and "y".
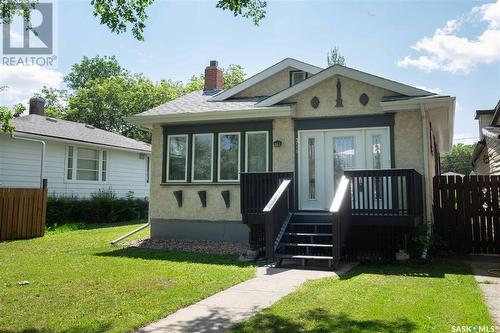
{"x": 467, "y": 213}
{"x": 22, "y": 213}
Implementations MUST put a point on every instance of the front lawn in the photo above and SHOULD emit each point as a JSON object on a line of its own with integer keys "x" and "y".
{"x": 379, "y": 298}
{"x": 78, "y": 282}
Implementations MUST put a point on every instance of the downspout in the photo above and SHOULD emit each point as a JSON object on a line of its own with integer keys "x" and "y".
{"x": 13, "y": 136}
{"x": 427, "y": 192}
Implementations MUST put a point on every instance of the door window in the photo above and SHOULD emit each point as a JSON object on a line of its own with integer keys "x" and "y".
{"x": 343, "y": 156}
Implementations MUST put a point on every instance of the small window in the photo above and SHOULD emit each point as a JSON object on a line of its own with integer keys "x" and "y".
{"x": 296, "y": 77}
{"x": 202, "y": 157}
{"x": 229, "y": 157}
{"x": 177, "y": 158}
{"x": 69, "y": 173}
{"x": 104, "y": 168}
{"x": 257, "y": 151}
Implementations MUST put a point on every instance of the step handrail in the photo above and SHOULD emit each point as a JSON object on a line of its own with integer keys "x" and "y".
{"x": 276, "y": 213}
{"x": 341, "y": 217}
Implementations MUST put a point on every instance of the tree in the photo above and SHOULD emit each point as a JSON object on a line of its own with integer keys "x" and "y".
{"x": 104, "y": 103}
{"x": 93, "y": 68}
{"x": 333, "y": 57}
{"x": 458, "y": 159}
{"x": 18, "y": 109}
{"x": 5, "y": 117}
{"x": 119, "y": 15}
{"x": 56, "y": 101}
{"x": 233, "y": 75}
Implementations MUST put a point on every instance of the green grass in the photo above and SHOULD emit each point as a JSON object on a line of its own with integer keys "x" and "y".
{"x": 78, "y": 282}
{"x": 382, "y": 298}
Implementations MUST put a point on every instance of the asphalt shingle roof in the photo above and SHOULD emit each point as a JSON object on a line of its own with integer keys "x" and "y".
{"x": 198, "y": 101}
{"x": 57, "y": 128}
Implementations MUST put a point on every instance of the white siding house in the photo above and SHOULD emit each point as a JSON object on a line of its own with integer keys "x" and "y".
{"x": 79, "y": 159}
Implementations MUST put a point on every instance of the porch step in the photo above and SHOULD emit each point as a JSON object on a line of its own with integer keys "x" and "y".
{"x": 307, "y": 244}
{"x": 312, "y": 223}
{"x": 307, "y": 234}
{"x": 301, "y": 256}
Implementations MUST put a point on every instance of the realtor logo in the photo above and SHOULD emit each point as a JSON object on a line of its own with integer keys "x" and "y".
{"x": 30, "y": 43}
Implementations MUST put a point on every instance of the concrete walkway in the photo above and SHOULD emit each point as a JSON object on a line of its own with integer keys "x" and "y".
{"x": 489, "y": 283}
{"x": 223, "y": 310}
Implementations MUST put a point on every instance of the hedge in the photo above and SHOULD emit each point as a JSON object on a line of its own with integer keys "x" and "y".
{"x": 102, "y": 206}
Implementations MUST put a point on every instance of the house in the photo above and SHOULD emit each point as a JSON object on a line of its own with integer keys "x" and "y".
{"x": 222, "y": 160}
{"x": 486, "y": 155}
{"x": 78, "y": 159}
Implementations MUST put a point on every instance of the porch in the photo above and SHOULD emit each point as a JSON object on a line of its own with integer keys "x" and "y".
{"x": 372, "y": 211}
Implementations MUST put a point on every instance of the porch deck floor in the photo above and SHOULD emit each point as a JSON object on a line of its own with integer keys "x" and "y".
{"x": 223, "y": 310}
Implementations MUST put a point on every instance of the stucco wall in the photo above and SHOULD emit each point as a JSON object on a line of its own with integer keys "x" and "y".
{"x": 164, "y": 204}
{"x": 269, "y": 86}
{"x": 283, "y": 157}
{"x": 408, "y": 140}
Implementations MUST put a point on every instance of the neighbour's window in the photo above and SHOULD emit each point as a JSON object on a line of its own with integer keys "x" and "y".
{"x": 229, "y": 157}
{"x": 86, "y": 164}
{"x": 202, "y": 157}
{"x": 257, "y": 151}
{"x": 297, "y": 76}
{"x": 177, "y": 158}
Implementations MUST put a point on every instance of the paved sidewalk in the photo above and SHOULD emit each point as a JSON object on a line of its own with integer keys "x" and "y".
{"x": 489, "y": 284}
{"x": 221, "y": 311}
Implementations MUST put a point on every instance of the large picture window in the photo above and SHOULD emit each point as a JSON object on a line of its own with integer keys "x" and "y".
{"x": 86, "y": 164}
{"x": 177, "y": 158}
{"x": 257, "y": 151}
{"x": 229, "y": 157}
{"x": 202, "y": 168}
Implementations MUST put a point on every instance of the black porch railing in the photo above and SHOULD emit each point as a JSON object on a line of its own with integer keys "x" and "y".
{"x": 386, "y": 192}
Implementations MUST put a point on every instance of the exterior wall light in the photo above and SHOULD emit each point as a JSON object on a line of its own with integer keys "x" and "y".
{"x": 277, "y": 143}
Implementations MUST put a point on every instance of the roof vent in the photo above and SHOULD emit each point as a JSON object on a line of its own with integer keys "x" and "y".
{"x": 51, "y": 119}
{"x": 89, "y": 126}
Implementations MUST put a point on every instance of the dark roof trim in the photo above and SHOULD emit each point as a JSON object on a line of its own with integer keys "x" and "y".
{"x": 483, "y": 112}
{"x": 83, "y": 141}
{"x": 477, "y": 151}
{"x": 496, "y": 115}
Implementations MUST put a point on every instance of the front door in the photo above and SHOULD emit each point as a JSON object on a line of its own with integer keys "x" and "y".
{"x": 325, "y": 154}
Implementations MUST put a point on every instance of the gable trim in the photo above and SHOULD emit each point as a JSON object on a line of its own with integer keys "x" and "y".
{"x": 283, "y": 64}
{"x": 349, "y": 73}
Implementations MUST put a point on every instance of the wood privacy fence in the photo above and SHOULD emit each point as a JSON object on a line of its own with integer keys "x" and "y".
{"x": 467, "y": 213}
{"x": 22, "y": 213}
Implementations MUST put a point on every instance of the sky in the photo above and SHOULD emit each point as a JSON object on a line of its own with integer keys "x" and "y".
{"x": 449, "y": 47}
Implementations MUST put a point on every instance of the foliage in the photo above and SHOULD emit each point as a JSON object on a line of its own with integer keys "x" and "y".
{"x": 55, "y": 101}
{"x": 6, "y": 120}
{"x": 93, "y": 68}
{"x": 422, "y": 241}
{"x": 333, "y": 57}
{"x": 379, "y": 298}
{"x": 458, "y": 159}
{"x": 79, "y": 282}
{"x": 254, "y": 9}
{"x": 102, "y": 206}
{"x": 11, "y": 8}
{"x": 232, "y": 75}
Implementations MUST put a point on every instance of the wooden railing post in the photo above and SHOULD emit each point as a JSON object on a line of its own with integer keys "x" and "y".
{"x": 341, "y": 217}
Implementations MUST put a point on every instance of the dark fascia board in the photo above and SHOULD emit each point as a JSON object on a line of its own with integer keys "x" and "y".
{"x": 482, "y": 112}
{"x": 496, "y": 115}
{"x": 344, "y": 122}
{"x": 219, "y": 127}
{"x": 480, "y": 145}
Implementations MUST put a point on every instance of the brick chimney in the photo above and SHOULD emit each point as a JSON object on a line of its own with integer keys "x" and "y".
{"x": 37, "y": 106}
{"x": 213, "y": 77}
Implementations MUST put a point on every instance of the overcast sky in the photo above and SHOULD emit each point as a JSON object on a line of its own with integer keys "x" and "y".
{"x": 450, "y": 47}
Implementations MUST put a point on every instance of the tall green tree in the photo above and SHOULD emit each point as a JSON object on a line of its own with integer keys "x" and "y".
{"x": 333, "y": 57}
{"x": 89, "y": 69}
{"x": 6, "y": 116}
{"x": 56, "y": 101}
{"x": 458, "y": 159}
{"x": 120, "y": 15}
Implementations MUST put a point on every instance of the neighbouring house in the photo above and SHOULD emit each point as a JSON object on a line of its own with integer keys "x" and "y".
{"x": 486, "y": 155}
{"x": 78, "y": 159}
{"x": 218, "y": 156}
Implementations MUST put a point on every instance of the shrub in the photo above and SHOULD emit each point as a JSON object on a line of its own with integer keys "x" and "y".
{"x": 101, "y": 206}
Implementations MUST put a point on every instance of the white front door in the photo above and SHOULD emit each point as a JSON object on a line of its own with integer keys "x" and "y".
{"x": 325, "y": 154}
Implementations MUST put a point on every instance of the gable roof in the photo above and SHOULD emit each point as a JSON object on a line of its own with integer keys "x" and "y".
{"x": 69, "y": 130}
{"x": 283, "y": 64}
{"x": 347, "y": 72}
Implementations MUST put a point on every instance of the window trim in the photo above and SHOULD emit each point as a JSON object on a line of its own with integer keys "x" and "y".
{"x": 148, "y": 169}
{"x": 246, "y": 149}
{"x": 193, "y": 150}
{"x": 74, "y": 171}
{"x": 168, "y": 159}
{"x": 292, "y": 80}
{"x": 219, "y": 159}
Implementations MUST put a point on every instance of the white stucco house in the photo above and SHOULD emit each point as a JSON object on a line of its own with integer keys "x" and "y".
{"x": 78, "y": 159}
